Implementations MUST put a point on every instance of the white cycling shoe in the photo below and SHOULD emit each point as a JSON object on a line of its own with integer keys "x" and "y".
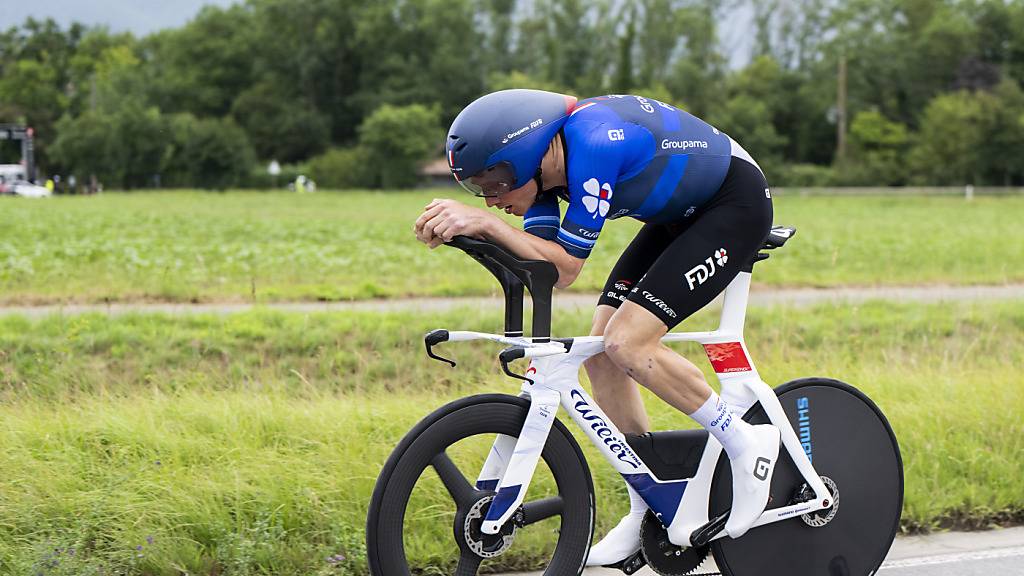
{"x": 619, "y": 543}
{"x": 752, "y": 478}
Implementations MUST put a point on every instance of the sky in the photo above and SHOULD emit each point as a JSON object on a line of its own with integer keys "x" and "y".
{"x": 144, "y": 16}
{"x": 138, "y": 16}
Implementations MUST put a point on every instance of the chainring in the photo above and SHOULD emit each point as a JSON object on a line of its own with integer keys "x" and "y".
{"x": 664, "y": 557}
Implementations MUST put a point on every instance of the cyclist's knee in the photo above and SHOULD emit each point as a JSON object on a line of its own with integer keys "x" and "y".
{"x": 624, "y": 344}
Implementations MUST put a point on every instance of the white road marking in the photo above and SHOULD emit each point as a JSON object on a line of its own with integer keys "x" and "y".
{"x": 955, "y": 557}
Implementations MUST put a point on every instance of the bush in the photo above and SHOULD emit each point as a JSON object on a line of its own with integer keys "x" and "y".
{"x": 396, "y": 140}
{"x": 342, "y": 168}
{"x": 806, "y": 176}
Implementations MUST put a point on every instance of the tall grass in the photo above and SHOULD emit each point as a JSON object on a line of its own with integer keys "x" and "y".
{"x": 249, "y": 443}
{"x": 190, "y": 246}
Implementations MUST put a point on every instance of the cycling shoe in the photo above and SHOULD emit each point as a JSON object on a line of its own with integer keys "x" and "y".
{"x": 752, "y": 478}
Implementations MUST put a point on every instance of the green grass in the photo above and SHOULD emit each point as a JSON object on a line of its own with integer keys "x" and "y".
{"x": 249, "y": 443}
{"x": 190, "y": 246}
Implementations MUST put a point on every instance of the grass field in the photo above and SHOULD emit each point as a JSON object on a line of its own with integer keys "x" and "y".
{"x": 190, "y": 246}
{"x": 249, "y": 443}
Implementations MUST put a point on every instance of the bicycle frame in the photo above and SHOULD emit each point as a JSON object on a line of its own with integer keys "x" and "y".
{"x": 681, "y": 505}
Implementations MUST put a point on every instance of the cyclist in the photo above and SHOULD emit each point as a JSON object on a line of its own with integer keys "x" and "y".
{"x": 707, "y": 210}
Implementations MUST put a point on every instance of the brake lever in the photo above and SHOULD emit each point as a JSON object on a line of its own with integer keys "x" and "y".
{"x": 511, "y": 354}
{"x": 433, "y": 338}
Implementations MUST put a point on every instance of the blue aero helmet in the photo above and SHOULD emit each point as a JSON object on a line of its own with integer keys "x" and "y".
{"x": 496, "y": 143}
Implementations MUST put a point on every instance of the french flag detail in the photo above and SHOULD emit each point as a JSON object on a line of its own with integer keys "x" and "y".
{"x": 584, "y": 107}
{"x": 451, "y": 163}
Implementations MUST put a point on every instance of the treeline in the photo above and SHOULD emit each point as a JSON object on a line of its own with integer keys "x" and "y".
{"x": 358, "y": 92}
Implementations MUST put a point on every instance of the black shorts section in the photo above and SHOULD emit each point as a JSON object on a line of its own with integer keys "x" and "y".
{"x": 674, "y": 270}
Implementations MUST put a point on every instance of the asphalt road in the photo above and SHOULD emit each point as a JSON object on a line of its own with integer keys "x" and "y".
{"x": 991, "y": 553}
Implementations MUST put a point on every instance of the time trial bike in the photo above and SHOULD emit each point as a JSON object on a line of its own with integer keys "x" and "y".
{"x": 836, "y": 493}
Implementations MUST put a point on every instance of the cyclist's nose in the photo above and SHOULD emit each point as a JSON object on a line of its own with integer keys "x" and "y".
{"x": 491, "y": 200}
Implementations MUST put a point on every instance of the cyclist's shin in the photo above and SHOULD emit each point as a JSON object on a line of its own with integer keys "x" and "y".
{"x": 624, "y": 539}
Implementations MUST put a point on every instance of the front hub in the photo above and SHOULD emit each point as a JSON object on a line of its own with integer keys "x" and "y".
{"x": 469, "y": 535}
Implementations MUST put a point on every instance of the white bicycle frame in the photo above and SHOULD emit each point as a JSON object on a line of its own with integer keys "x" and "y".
{"x": 681, "y": 505}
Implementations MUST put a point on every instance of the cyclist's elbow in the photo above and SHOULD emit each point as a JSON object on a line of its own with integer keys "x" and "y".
{"x": 568, "y": 271}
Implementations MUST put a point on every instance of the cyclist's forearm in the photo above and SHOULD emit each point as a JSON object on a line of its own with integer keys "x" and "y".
{"x": 530, "y": 247}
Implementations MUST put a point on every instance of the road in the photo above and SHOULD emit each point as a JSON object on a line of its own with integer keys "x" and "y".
{"x": 565, "y": 301}
{"x": 991, "y": 553}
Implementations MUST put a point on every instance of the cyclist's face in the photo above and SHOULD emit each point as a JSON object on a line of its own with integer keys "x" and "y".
{"x": 516, "y": 201}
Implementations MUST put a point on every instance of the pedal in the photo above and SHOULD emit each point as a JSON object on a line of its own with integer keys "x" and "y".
{"x": 630, "y": 564}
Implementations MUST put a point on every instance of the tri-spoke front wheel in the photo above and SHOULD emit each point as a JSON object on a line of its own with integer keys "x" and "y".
{"x": 426, "y": 512}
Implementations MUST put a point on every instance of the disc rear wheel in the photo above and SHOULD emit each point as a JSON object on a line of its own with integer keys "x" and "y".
{"x": 851, "y": 445}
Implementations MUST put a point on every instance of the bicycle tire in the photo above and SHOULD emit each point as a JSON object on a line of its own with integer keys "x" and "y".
{"x": 853, "y": 444}
{"x": 460, "y": 419}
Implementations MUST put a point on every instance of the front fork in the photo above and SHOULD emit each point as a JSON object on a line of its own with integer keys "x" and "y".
{"x": 511, "y": 463}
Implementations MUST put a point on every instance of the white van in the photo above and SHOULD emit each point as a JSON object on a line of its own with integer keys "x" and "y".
{"x": 12, "y": 181}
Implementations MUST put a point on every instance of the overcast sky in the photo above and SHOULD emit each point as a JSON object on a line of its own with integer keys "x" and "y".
{"x": 138, "y": 16}
{"x": 144, "y": 16}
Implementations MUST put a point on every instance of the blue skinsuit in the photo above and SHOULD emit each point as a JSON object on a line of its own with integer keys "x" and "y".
{"x": 631, "y": 156}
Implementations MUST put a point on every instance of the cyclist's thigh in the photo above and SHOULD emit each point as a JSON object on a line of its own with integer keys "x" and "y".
{"x": 645, "y": 248}
{"x": 700, "y": 262}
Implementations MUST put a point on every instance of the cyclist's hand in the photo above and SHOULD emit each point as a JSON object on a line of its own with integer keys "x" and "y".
{"x": 444, "y": 219}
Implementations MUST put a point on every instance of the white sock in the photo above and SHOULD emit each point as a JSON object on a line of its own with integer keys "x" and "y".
{"x": 728, "y": 428}
{"x": 637, "y": 506}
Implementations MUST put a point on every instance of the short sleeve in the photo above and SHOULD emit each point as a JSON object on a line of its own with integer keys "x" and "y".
{"x": 542, "y": 218}
{"x": 594, "y": 161}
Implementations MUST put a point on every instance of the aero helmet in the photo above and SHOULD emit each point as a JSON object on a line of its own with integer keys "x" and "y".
{"x": 496, "y": 143}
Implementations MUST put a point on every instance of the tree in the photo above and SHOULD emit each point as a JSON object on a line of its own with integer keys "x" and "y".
{"x": 206, "y": 153}
{"x": 1003, "y": 145}
{"x": 396, "y": 140}
{"x": 878, "y": 148}
{"x": 279, "y": 125}
{"x": 201, "y": 67}
{"x": 950, "y": 140}
{"x": 748, "y": 120}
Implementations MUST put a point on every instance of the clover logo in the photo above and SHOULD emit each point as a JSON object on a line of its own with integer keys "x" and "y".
{"x": 721, "y": 256}
{"x": 598, "y": 198}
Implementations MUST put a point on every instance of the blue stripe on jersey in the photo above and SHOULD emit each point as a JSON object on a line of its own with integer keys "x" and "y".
{"x": 664, "y": 188}
{"x": 669, "y": 119}
{"x": 574, "y": 239}
{"x": 541, "y": 221}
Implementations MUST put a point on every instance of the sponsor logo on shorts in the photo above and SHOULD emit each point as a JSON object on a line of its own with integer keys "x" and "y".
{"x": 659, "y": 303}
{"x": 700, "y": 273}
{"x": 617, "y": 135}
